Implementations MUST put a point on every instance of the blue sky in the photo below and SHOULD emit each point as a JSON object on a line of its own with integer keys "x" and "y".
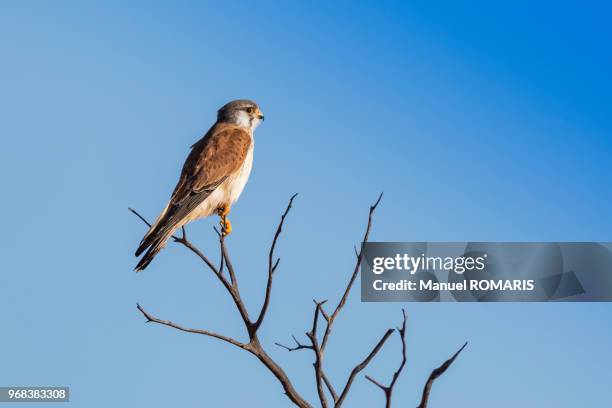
{"x": 479, "y": 122}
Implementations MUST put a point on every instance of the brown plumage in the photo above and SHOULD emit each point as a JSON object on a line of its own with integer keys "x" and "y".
{"x": 212, "y": 178}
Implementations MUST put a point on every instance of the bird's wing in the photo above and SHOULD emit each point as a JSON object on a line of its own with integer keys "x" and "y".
{"x": 212, "y": 159}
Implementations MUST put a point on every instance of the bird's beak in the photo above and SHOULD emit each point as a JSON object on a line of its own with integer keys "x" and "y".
{"x": 261, "y": 116}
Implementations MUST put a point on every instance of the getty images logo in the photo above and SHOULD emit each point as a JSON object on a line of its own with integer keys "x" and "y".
{"x": 413, "y": 264}
{"x": 486, "y": 271}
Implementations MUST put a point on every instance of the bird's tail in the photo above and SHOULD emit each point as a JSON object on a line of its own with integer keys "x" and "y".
{"x": 155, "y": 239}
{"x": 158, "y": 242}
{"x": 173, "y": 217}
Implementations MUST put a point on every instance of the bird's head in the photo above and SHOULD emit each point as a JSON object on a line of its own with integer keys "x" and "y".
{"x": 241, "y": 112}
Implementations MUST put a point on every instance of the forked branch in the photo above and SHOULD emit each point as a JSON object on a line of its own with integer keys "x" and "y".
{"x": 272, "y": 265}
{"x": 231, "y": 286}
{"x": 331, "y": 318}
{"x": 254, "y": 346}
{"x": 361, "y": 366}
{"x": 319, "y": 348}
{"x": 388, "y": 389}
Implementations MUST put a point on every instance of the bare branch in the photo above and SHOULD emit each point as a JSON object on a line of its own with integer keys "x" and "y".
{"x": 332, "y": 317}
{"x": 228, "y": 262}
{"x": 402, "y": 333}
{"x": 318, "y": 364}
{"x": 199, "y": 253}
{"x": 319, "y": 348}
{"x": 330, "y": 387}
{"x": 320, "y": 376}
{"x": 298, "y": 345}
{"x": 435, "y": 374}
{"x": 315, "y": 319}
{"x": 140, "y": 216}
{"x": 388, "y": 390}
{"x": 324, "y": 314}
{"x": 383, "y": 387}
{"x": 361, "y": 366}
{"x": 253, "y": 346}
{"x": 151, "y": 318}
{"x": 221, "y": 257}
{"x": 232, "y": 287}
{"x": 272, "y": 265}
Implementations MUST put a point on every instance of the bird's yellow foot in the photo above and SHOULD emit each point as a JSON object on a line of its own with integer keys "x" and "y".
{"x": 226, "y": 226}
{"x": 223, "y": 210}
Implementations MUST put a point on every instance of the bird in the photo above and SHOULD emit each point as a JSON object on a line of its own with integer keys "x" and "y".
{"x": 213, "y": 177}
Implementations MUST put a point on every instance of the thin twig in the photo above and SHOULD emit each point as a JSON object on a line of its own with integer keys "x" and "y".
{"x": 318, "y": 364}
{"x": 435, "y": 374}
{"x": 330, "y": 387}
{"x": 272, "y": 265}
{"x": 298, "y": 345}
{"x": 319, "y": 348}
{"x": 361, "y": 366}
{"x": 228, "y": 262}
{"x": 141, "y": 217}
{"x": 233, "y": 290}
{"x": 151, "y": 318}
{"x": 221, "y": 257}
{"x": 383, "y": 387}
{"x": 331, "y": 318}
{"x": 232, "y": 287}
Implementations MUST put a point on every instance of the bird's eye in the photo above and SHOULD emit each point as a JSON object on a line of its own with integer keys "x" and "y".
{"x": 249, "y": 110}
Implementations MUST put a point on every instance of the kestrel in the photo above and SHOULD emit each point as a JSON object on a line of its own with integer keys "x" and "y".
{"x": 212, "y": 178}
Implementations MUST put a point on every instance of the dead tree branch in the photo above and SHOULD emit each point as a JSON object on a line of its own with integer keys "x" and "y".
{"x": 254, "y": 346}
{"x": 331, "y": 318}
{"x": 298, "y": 345}
{"x": 272, "y": 265}
{"x": 319, "y": 348}
{"x": 151, "y": 318}
{"x": 388, "y": 390}
{"x": 361, "y": 366}
{"x": 330, "y": 387}
{"x": 318, "y": 364}
{"x": 435, "y": 374}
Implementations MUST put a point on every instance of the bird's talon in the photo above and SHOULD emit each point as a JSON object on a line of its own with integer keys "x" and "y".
{"x": 226, "y": 227}
{"x": 223, "y": 210}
